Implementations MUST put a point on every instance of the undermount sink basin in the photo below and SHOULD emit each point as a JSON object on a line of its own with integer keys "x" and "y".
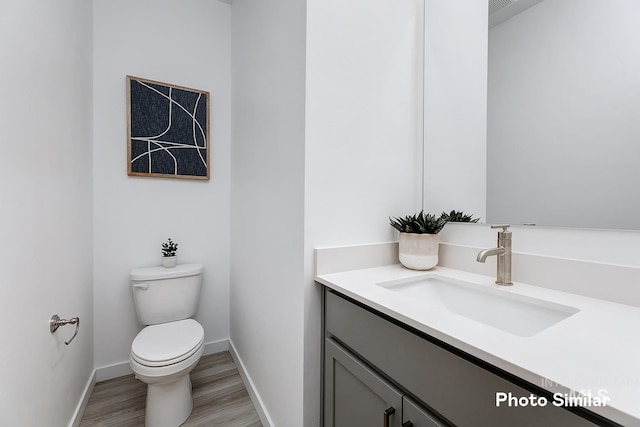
{"x": 501, "y": 309}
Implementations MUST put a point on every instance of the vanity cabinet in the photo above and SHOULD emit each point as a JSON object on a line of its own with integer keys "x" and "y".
{"x": 373, "y": 363}
{"x": 358, "y": 396}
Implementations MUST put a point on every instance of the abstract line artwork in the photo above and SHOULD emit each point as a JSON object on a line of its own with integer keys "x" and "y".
{"x": 167, "y": 130}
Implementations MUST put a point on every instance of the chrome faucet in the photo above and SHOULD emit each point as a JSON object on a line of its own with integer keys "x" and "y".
{"x": 503, "y": 253}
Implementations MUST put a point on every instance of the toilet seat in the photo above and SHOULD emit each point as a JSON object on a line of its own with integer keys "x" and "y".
{"x": 167, "y": 343}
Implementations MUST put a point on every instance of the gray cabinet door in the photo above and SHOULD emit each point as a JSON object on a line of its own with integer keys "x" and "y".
{"x": 355, "y": 395}
{"x": 414, "y": 415}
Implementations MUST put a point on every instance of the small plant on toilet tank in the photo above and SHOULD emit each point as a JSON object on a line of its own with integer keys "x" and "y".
{"x": 418, "y": 242}
{"x": 169, "y": 250}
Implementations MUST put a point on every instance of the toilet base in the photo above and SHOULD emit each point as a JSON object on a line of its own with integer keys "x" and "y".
{"x": 169, "y": 404}
{"x": 169, "y": 398}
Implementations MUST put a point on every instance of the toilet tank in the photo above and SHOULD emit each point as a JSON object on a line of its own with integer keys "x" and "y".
{"x": 166, "y": 294}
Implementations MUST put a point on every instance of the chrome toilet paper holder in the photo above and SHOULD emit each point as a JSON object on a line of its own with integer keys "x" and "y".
{"x": 56, "y": 322}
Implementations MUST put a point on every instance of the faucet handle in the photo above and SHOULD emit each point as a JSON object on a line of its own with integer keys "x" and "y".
{"x": 503, "y": 226}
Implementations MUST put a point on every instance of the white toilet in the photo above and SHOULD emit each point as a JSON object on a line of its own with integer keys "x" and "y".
{"x": 166, "y": 351}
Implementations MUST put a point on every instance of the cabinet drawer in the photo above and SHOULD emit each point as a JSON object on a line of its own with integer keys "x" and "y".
{"x": 454, "y": 387}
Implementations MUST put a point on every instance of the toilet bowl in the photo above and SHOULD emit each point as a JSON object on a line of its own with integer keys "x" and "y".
{"x": 166, "y": 351}
{"x": 162, "y": 356}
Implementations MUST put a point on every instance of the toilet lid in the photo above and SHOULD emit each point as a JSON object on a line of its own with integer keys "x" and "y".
{"x": 167, "y": 343}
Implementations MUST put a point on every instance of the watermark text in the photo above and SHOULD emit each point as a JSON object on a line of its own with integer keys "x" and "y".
{"x": 582, "y": 398}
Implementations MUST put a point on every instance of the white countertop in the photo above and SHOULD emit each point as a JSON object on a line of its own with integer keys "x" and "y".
{"x": 595, "y": 350}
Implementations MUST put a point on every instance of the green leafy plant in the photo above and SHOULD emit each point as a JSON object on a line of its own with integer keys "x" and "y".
{"x": 421, "y": 223}
{"x": 460, "y": 216}
{"x": 169, "y": 248}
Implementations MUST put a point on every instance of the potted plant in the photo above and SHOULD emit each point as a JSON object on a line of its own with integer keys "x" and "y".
{"x": 418, "y": 242}
{"x": 169, "y": 249}
{"x": 418, "y": 239}
{"x": 455, "y": 216}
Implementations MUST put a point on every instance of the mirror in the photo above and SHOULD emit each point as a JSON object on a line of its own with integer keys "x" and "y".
{"x": 563, "y": 125}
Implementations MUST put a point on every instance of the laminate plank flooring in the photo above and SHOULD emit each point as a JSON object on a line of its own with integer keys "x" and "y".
{"x": 219, "y": 399}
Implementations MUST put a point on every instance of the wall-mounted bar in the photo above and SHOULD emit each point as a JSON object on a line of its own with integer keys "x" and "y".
{"x": 56, "y": 322}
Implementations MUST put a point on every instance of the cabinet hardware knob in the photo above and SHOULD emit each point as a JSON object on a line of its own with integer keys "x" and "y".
{"x": 407, "y": 424}
{"x": 387, "y": 413}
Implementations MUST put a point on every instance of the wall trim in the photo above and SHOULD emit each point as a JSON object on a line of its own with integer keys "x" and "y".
{"x": 248, "y": 383}
{"x": 216, "y": 347}
{"x": 116, "y": 370}
{"x": 84, "y": 401}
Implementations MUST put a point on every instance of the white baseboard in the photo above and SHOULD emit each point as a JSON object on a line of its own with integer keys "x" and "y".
{"x": 216, "y": 347}
{"x": 84, "y": 401}
{"x": 113, "y": 371}
{"x": 253, "y": 394}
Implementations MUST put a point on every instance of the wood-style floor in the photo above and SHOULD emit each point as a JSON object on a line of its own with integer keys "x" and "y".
{"x": 219, "y": 398}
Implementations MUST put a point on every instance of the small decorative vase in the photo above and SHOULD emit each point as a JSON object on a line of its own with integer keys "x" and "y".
{"x": 169, "y": 261}
{"x": 418, "y": 251}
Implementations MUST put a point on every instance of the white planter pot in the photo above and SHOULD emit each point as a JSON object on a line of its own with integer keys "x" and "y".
{"x": 418, "y": 251}
{"x": 169, "y": 261}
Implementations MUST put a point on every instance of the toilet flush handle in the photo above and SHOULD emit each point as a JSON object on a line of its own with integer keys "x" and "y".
{"x": 142, "y": 286}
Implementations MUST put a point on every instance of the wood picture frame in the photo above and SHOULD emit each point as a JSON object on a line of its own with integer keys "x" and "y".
{"x": 167, "y": 130}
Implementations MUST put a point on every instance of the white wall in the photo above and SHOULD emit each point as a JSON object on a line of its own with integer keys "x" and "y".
{"x": 364, "y": 124}
{"x": 46, "y": 216}
{"x": 267, "y": 200}
{"x": 268, "y": 48}
{"x": 563, "y": 115}
{"x": 185, "y": 43}
{"x": 363, "y": 137}
{"x": 334, "y": 167}
{"x": 455, "y": 106}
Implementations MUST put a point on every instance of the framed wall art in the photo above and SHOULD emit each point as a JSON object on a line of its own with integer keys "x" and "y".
{"x": 167, "y": 130}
